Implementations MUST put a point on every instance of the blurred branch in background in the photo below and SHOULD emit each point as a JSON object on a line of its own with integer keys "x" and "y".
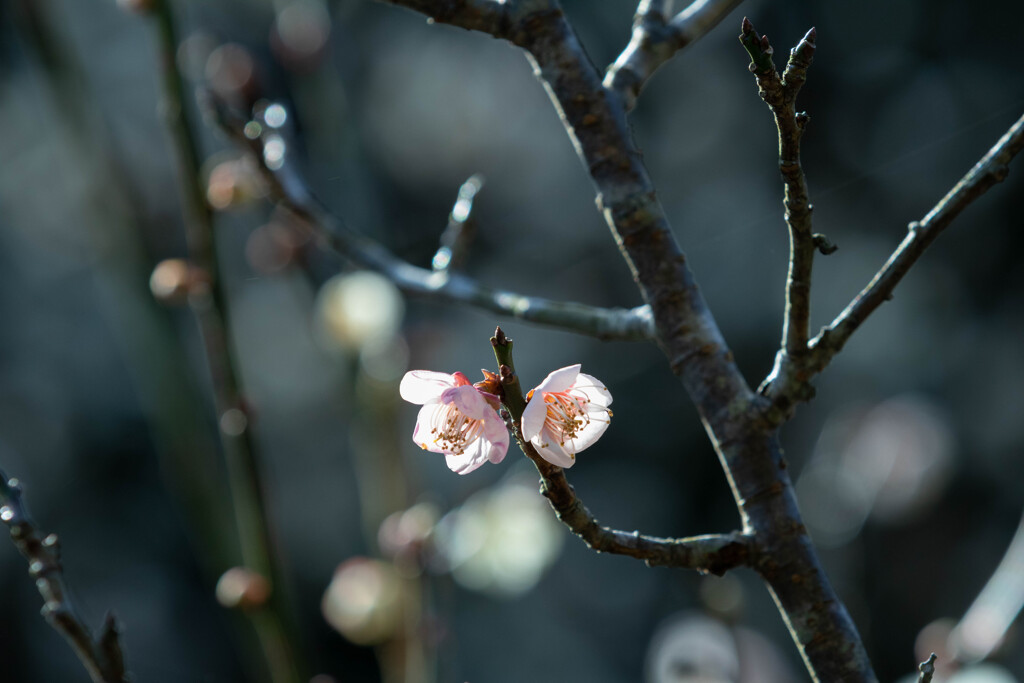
{"x": 119, "y": 264}
{"x": 101, "y": 657}
{"x": 287, "y": 185}
{"x": 985, "y": 625}
{"x": 208, "y": 301}
{"x": 459, "y": 234}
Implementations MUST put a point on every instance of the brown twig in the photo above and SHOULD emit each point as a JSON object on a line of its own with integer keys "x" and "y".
{"x": 289, "y": 187}
{"x": 712, "y": 553}
{"x": 101, "y": 657}
{"x": 780, "y": 96}
{"x": 656, "y": 39}
{"x": 990, "y": 170}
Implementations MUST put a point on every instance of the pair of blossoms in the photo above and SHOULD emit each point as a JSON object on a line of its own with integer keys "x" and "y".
{"x": 565, "y": 414}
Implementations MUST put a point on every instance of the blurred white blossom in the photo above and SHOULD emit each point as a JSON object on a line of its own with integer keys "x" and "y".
{"x": 502, "y": 539}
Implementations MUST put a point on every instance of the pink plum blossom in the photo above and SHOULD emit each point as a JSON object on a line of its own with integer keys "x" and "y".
{"x": 456, "y": 419}
{"x": 566, "y": 414}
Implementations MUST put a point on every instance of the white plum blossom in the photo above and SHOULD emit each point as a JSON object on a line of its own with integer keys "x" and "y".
{"x": 457, "y": 419}
{"x": 566, "y": 414}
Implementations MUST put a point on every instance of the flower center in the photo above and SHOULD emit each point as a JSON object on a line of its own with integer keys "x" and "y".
{"x": 566, "y": 416}
{"x": 453, "y": 431}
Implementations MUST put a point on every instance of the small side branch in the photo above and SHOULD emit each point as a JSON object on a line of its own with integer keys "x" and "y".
{"x": 656, "y": 39}
{"x": 788, "y": 388}
{"x": 927, "y": 670}
{"x": 988, "y": 172}
{"x": 288, "y": 186}
{"x": 713, "y": 553}
{"x": 101, "y": 657}
{"x": 780, "y": 96}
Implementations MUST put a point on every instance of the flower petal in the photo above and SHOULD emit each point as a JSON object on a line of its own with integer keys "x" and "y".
{"x": 425, "y": 421}
{"x": 421, "y": 386}
{"x": 533, "y": 417}
{"x": 593, "y": 389}
{"x": 559, "y": 380}
{"x": 473, "y": 457}
{"x": 468, "y": 400}
{"x": 590, "y": 432}
{"x": 550, "y": 450}
{"x": 496, "y": 435}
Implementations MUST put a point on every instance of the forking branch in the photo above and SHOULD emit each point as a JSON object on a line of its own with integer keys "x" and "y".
{"x": 656, "y": 39}
{"x": 788, "y": 386}
{"x": 287, "y": 185}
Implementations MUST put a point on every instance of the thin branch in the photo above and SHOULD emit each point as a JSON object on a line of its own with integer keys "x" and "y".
{"x": 656, "y": 39}
{"x": 927, "y": 670}
{"x": 714, "y": 553}
{"x": 210, "y": 306}
{"x": 988, "y": 172}
{"x": 780, "y": 96}
{"x": 102, "y": 657}
{"x": 289, "y": 187}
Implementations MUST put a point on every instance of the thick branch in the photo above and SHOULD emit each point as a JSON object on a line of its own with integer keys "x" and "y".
{"x": 656, "y": 39}
{"x": 714, "y": 553}
{"x": 288, "y": 186}
{"x": 101, "y": 657}
{"x": 989, "y": 171}
{"x": 780, "y": 96}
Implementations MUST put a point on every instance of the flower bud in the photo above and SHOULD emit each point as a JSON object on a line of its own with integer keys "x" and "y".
{"x": 241, "y": 588}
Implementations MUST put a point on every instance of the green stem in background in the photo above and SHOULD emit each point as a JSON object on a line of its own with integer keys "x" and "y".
{"x": 210, "y": 307}
{"x": 119, "y": 264}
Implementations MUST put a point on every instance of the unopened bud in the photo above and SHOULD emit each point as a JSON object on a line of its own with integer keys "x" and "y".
{"x": 241, "y": 588}
{"x": 273, "y": 247}
{"x": 300, "y": 34}
{"x": 231, "y": 73}
{"x": 231, "y": 183}
{"x": 173, "y": 280}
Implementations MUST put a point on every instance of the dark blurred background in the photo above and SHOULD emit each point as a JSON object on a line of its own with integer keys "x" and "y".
{"x": 907, "y": 461}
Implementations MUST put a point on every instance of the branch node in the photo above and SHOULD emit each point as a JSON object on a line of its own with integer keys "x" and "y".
{"x": 823, "y": 244}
